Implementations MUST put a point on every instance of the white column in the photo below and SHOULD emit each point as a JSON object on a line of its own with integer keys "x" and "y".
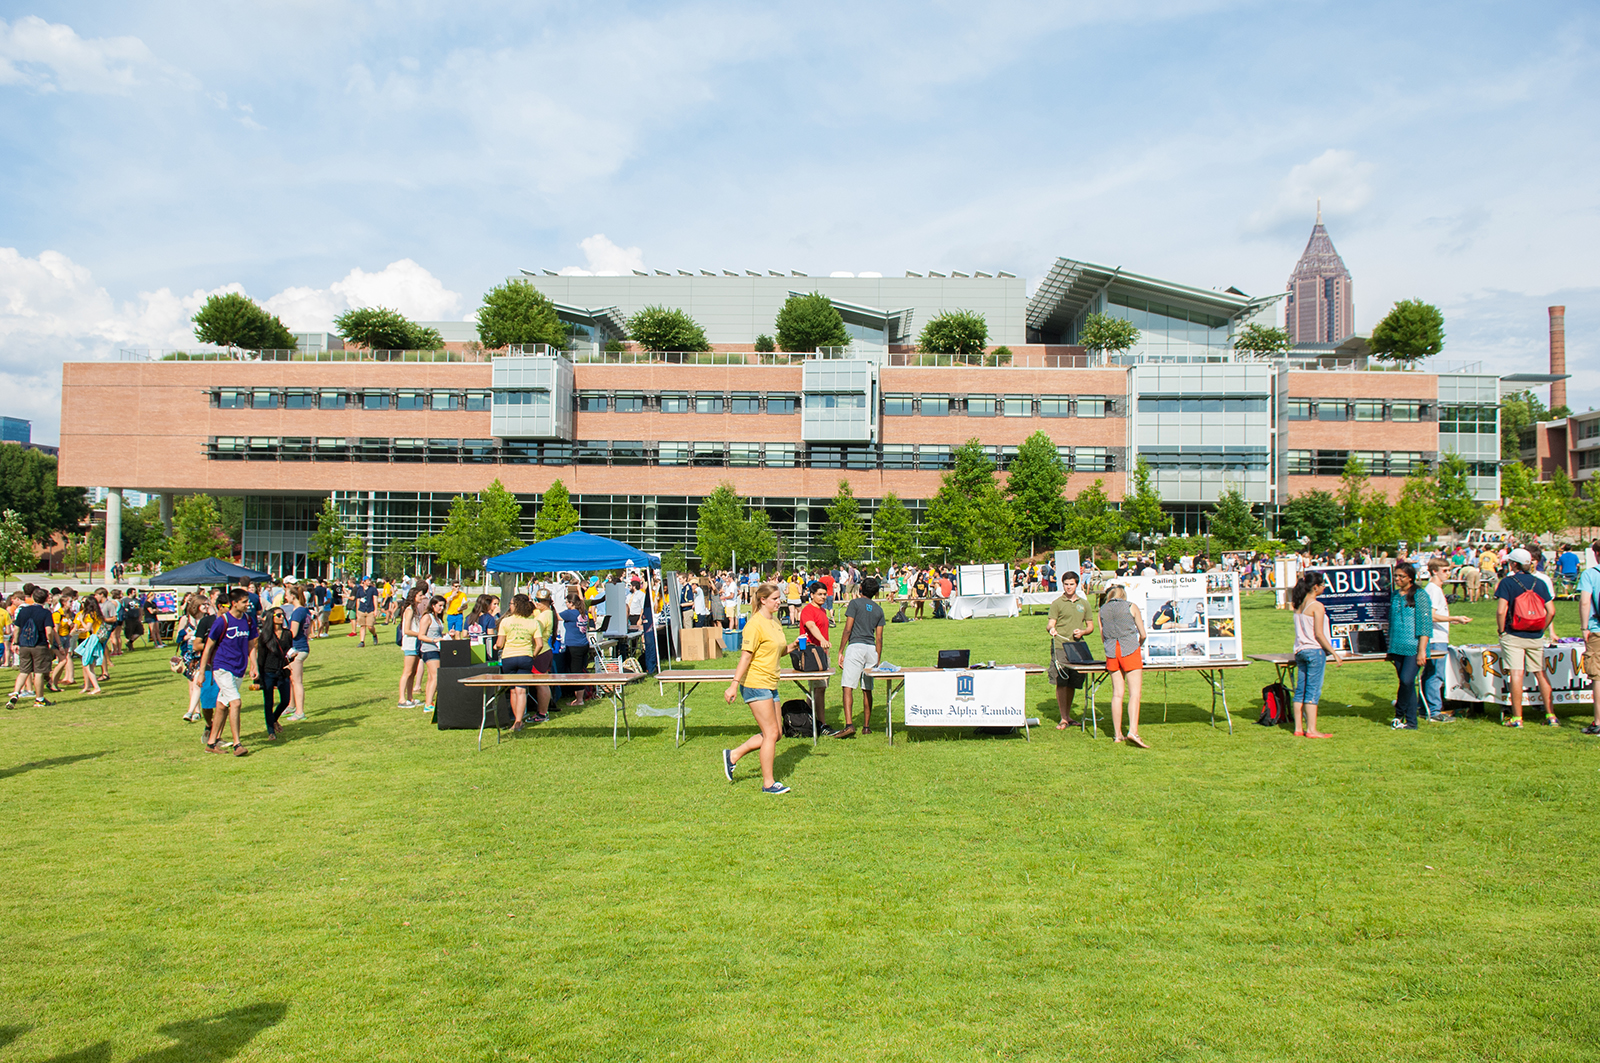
{"x": 113, "y": 527}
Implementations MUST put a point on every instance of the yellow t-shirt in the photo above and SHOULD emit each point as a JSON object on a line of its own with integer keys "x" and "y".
{"x": 519, "y": 632}
{"x": 544, "y": 625}
{"x": 455, "y": 604}
{"x": 765, "y": 641}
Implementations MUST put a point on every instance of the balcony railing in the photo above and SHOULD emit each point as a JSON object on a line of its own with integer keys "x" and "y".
{"x": 207, "y": 354}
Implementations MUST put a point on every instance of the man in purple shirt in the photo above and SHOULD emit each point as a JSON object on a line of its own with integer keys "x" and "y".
{"x": 230, "y": 653}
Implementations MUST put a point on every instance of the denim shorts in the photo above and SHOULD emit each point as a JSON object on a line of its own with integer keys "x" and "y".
{"x": 429, "y": 655}
{"x": 752, "y": 695}
{"x": 1308, "y": 675}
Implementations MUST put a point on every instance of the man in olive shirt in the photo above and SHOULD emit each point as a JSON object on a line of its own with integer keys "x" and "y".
{"x": 1071, "y": 620}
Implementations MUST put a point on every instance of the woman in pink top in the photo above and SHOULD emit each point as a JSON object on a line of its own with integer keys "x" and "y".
{"x": 1312, "y": 648}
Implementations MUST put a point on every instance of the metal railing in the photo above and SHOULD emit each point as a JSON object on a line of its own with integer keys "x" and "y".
{"x": 203, "y": 354}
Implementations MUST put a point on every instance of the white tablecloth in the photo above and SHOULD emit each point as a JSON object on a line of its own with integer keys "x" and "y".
{"x": 964, "y": 606}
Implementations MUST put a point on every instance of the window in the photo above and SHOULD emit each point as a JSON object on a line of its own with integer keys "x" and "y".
{"x": 934, "y": 455}
{"x": 782, "y": 403}
{"x": 556, "y": 454}
{"x": 980, "y": 405}
{"x": 330, "y": 400}
{"x": 1019, "y": 406}
{"x": 1589, "y": 429}
{"x": 262, "y": 448}
{"x": 372, "y": 449}
{"x": 1004, "y": 459}
{"x": 779, "y": 455}
{"x": 263, "y": 399}
{"x": 1092, "y": 459}
{"x": 299, "y": 399}
{"x": 1093, "y": 406}
{"x": 374, "y": 400}
{"x": 1065, "y": 454}
{"x": 1174, "y": 404}
{"x": 1406, "y": 463}
{"x": 628, "y": 452}
{"x": 629, "y": 402}
{"x": 295, "y": 448}
{"x": 519, "y": 452}
{"x": 711, "y": 454}
{"x": 331, "y": 448}
{"x": 1367, "y": 411}
{"x": 672, "y": 454}
{"x": 594, "y": 452}
{"x": 409, "y": 450}
{"x": 898, "y": 405}
{"x": 228, "y": 448}
{"x": 408, "y": 399}
{"x": 521, "y": 398}
{"x": 1329, "y": 462}
{"x": 444, "y": 450}
{"x": 744, "y": 455}
{"x": 592, "y": 402}
{"x": 1330, "y": 410}
{"x": 1587, "y": 459}
{"x": 935, "y": 405}
{"x": 1298, "y": 463}
{"x": 1300, "y": 410}
{"x": 674, "y": 402}
{"x": 745, "y": 402}
{"x": 1375, "y": 461}
{"x": 836, "y": 400}
{"x": 442, "y": 401}
{"x": 899, "y": 456}
{"x": 478, "y": 400}
{"x": 233, "y": 399}
{"x": 1405, "y": 411}
{"x": 477, "y": 451}
{"x": 708, "y": 402}
{"x": 1055, "y": 405}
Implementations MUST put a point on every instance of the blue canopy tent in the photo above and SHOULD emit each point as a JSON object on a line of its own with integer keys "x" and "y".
{"x": 207, "y": 572}
{"x": 581, "y": 552}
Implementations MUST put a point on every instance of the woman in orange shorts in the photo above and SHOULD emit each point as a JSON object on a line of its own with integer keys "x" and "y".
{"x": 1122, "y": 630}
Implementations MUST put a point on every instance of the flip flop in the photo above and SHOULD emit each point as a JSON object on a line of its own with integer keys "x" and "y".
{"x": 1062, "y": 726}
{"x": 1136, "y": 740}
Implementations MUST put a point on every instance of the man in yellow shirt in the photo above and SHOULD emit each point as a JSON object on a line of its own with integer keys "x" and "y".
{"x": 455, "y": 608}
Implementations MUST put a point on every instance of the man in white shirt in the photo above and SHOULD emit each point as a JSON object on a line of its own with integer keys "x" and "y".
{"x": 1438, "y": 654}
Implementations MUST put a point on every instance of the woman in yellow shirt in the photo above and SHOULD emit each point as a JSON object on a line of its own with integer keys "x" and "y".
{"x": 515, "y": 644}
{"x": 756, "y": 680}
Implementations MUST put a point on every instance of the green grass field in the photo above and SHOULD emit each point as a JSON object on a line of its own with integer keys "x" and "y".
{"x": 375, "y": 889}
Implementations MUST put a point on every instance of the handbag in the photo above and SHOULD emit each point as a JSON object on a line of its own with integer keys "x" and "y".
{"x": 811, "y": 659}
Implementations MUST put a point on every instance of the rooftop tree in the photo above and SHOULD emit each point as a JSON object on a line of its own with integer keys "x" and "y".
{"x": 378, "y": 328}
{"x": 518, "y": 313}
{"x": 807, "y": 322}
{"x": 1107, "y": 334}
{"x": 1412, "y": 331}
{"x": 234, "y": 320}
{"x": 1262, "y": 340}
{"x": 958, "y": 332}
{"x": 659, "y": 328}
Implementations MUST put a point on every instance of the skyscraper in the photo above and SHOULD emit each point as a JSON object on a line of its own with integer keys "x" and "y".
{"x": 1320, "y": 307}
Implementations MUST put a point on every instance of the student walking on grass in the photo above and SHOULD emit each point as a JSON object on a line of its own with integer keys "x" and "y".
{"x": 1524, "y": 609}
{"x": 230, "y": 654}
{"x": 36, "y": 637}
{"x": 1122, "y": 631}
{"x": 1313, "y": 646}
{"x": 756, "y": 680}
{"x": 272, "y": 665}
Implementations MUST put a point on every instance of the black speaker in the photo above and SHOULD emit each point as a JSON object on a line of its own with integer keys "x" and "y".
{"x": 459, "y": 708}
{"x": 455, "y": 653}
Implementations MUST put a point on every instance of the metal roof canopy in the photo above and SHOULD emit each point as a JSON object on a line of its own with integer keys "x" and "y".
{"x": 870, "y": 315}
{"x": 607, "y": 317}
{"x": 1070, "y": 285}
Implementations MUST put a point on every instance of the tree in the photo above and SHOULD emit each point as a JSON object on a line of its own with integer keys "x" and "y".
{"x": 968, "y": 518}
{"x": 380, "y": 329}
{"x": 195, "y": 532}
{"x": 1107, "y": 334}
{"x": 960, "y": 332}
{"x": 1352, "y": 492}
{"x": 1314, "y": 516}
{"x": 764, "y": 344}
{"x": 1523, "y": 507}
{"x": 1141, "y": 511}
{"x": 892, "y": 540}
{"x": 1091, "y": 522}
{"x": 1459, "y": 508}
{"x": 517, "y": 312}
{"x": 1378, "y": 526}
{"x": 1414, "y": 330}
{"x": 28, "y": 485}
{"x": 675, "y": 559}
{"x": 234, "y": 320}
{"x": 759, "y": 542}
{"x": 1561, "y": 503}
{"x": 1036, "y": 485}
{"x": 1519, "y": 411}
{"x": 1234, "y": 523}
{"x": 16, "y": 546}
{"x": 727, "y": 527}
{"x": 1262, "y": 340}
{"x": 500, "y": 519}
{"x": 807, "y": 322}
{"x": 658, "y": 328}
{"x": 1586, "y": 508}
{"x": 395, "y": 561}
{"x": 557, "y": 516}
{"x": 457, "y": 543}
{"x": 355, "y": 556}
{"x": 1416, "y": 515}
{"x": 328, "y": 541}
{"x": 843, "y": 533}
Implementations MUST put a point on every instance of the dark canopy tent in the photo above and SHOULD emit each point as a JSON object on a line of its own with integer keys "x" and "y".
{"x": 208, "y": 572}
{"x": 581, "y": 552}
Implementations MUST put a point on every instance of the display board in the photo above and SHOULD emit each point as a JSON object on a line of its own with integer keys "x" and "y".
{"x": 982, "y": 580}
{"x": 1285, "y": 574}
{"x": 953, "y": 698}
{"x": 1066, "y": 561}
{"x": 1475, "y": 673}
{"x": 1357, "y": 601}
{"x": 1190, "y": 617}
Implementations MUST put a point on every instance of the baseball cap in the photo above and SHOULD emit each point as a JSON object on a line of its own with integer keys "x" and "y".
{"x": 290, "y": 579}
{"x": 1521, "y": 557}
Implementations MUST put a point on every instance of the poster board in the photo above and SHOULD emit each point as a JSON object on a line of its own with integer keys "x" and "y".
{"x": 1357, "y": 601}
{"x": 1190, "y": 617}
{"x": 1285, "y": 574}
{"x": 1066, "y": 561}
{"x": 1475, "y": 673}
{"x": 981, "y": 698}
{"x": 982, "y": 580}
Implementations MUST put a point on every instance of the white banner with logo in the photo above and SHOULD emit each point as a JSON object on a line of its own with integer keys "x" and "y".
{"x": 994, "y": 697}
{"x": 1476, "y": 674}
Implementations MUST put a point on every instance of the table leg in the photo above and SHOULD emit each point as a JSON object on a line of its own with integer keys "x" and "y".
{"x": 1092, "y": 681}
{"x": 484, "y": 722}
{"x": 888, "y": 694}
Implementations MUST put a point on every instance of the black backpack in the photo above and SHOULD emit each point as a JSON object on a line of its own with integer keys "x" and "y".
{"x": 1276, "y": 707}
{"x": 797, "y": 718}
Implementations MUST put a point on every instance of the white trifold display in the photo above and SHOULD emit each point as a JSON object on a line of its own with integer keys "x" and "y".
{"x": 1190, "y": 618}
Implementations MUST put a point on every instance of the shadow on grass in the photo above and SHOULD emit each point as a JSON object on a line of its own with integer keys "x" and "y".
{"x": 317, "y": 727}
{"x": 789, "y": 758}
{"x": 11, "y": 1033}
{"x": 215, "y": 1037}
{"x": 53, "y": 762}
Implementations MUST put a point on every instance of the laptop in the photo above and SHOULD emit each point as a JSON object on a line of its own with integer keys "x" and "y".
{"x": 954, "y": 658}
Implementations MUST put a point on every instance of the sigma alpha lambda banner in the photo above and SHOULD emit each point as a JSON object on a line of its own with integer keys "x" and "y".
{"x": 979, "y": 698}
{"x": 1476, "y": 673}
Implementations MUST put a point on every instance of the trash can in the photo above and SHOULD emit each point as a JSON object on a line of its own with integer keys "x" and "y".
{"x": 733, "y": 641}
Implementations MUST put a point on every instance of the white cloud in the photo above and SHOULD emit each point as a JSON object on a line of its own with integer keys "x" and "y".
{"x": 403, "y": 286}
{"x": 605, "y": 259}
{"x": 1339, "y": 178}
{"x": 50, "y": 57}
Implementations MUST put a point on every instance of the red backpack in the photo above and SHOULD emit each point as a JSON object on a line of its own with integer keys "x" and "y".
{"x": 1528, "y": 613}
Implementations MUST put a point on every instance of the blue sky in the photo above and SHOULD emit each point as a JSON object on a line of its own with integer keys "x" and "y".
{"x": 319, "y": 155}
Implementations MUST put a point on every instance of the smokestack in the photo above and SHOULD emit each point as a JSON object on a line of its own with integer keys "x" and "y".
{"x": 1558, "y": 355}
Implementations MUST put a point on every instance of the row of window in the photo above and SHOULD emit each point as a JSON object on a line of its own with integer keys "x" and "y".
{"x": 1358, "y": 410}
{"x": 1377, "y": 462}
{"x": 1589, "y": 459}
{"x": 925, "y": 405}
{"x": 1173, "y": 404}
{"x": 925, "y": 456}
{"x": 1469, "y": 420}
{"x": 1589, "y": 429}
{"x": 439, "y": 399}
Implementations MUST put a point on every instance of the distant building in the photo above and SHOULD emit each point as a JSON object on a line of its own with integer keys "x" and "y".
{"x": 1320, "y": 308}
{"x": 16, "y": 430}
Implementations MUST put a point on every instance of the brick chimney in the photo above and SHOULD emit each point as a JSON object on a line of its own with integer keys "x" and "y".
{"x": 1558, "y": 354}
